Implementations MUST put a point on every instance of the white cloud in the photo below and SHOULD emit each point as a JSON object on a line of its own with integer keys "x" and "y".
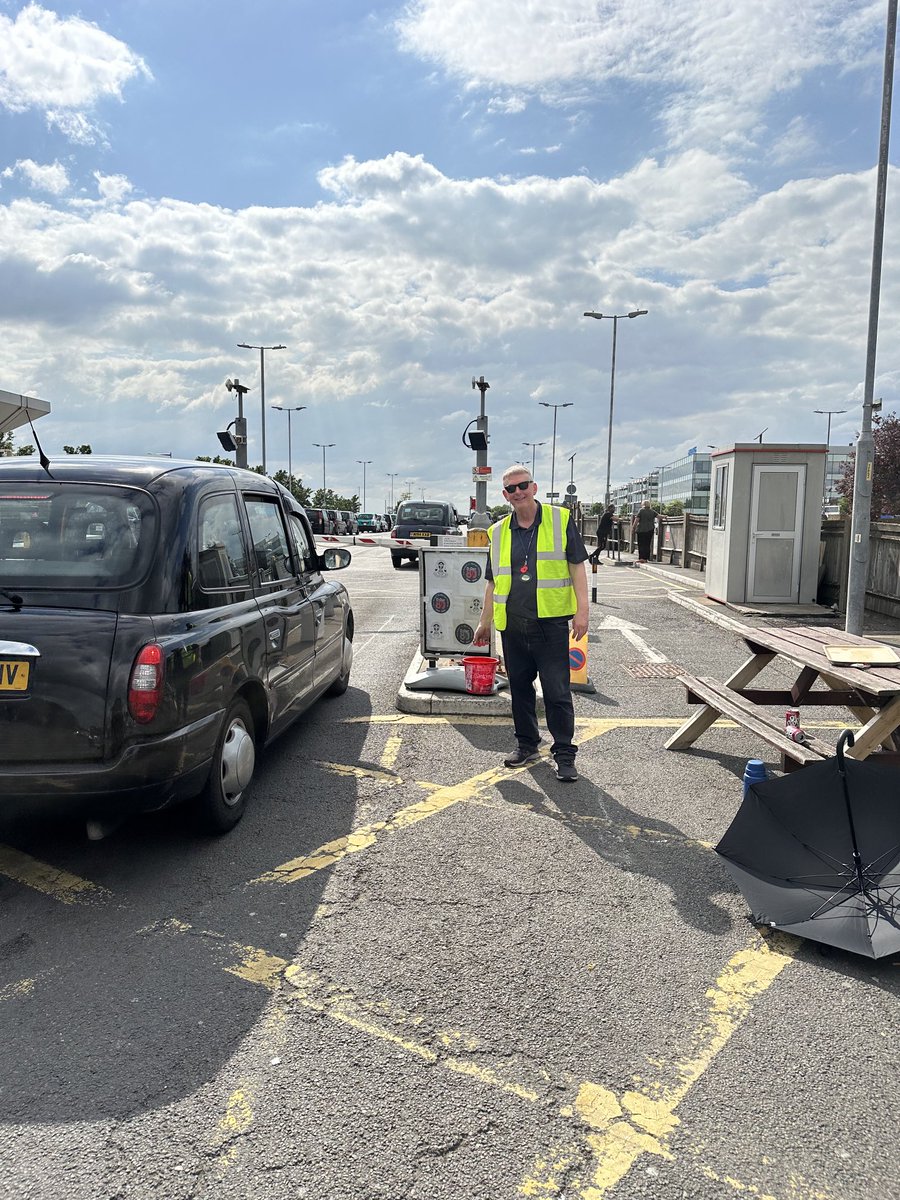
{"x": 404, "y": 282}
{"x": 112, "y": 188}
{"x": 63, "y": 67}
{"x": 42, "y": 177}
{"x": 720, "y": 62}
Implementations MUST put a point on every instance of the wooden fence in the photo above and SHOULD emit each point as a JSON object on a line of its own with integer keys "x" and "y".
{"x": 682, "y": 542}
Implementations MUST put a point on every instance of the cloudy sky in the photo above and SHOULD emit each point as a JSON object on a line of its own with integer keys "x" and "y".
{"x": 411, "y": 194}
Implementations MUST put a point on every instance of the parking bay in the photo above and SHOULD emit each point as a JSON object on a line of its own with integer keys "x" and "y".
{"x": 413, "y": 972}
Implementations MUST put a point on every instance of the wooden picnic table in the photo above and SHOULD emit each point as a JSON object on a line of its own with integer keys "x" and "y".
{"x": 870, "y": 692}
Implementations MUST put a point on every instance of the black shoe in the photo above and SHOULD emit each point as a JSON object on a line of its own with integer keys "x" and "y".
{"x": 565, "y": 770}
{"x": 520, "y": 756}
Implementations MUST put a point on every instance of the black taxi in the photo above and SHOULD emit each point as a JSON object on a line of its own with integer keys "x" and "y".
{"x": 160, "y": 623}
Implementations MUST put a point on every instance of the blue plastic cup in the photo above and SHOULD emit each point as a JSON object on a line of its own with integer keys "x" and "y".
{"x": 754, "y": 772}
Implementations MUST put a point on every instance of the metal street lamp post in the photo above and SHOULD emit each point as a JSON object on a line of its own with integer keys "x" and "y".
{"x": 555, "y": 407}
{"x": 615, "y": 317}
{"x": 829, "y": 413}
{"x": 289, "y": 410}
{"x": 534, "y": 446}
{"x": 392, "y": 475}
{"x": 364, "y": 462}
{"x": 323, "y": 446}
{"x": 262, "y": 388}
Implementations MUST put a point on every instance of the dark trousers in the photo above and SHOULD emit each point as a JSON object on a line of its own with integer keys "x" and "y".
{"x": 645, "y": 545}
{"x": 533, "y": 648}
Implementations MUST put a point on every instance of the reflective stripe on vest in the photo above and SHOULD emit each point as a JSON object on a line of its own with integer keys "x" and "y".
{"x": 554, "y": 592}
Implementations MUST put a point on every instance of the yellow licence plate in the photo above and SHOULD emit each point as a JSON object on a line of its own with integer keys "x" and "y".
{"x": 14, "y": 676}
{"x": 418, "y": 533}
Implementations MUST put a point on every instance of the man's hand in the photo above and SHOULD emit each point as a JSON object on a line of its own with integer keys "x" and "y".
{"x": 482, "y": 634}
{"x": 580, "y": 623}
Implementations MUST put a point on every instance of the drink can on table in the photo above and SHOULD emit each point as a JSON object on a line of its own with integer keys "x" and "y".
{"x": 791, "y": 720}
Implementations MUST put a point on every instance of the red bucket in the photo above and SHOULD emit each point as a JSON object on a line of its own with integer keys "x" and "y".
{"x": 481, "y": 674}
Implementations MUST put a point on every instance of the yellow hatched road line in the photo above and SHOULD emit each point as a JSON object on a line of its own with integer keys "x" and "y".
{"x": 51, "y": 881}
{"x": 439, "y": 800}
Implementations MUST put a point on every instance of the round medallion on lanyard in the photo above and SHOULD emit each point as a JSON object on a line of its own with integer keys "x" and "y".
{"x": 523, "y": 570}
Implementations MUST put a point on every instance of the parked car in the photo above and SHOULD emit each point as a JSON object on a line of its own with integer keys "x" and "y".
{"x": 349, "y": 519}
{"x": 335, "y": 520}
{"x": 319, "y": 520}
{"x": 369, "y": 523}
{"x": 388, "y": 522}
{"x": 422, "y": 519}
{"x": 160, "y": 623}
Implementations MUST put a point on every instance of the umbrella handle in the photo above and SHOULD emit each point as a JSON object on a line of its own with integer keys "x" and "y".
{"x": 846, "y": 739}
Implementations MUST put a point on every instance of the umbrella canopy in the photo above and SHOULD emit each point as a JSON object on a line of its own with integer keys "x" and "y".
{"x": 817, "y": 853}
{"x": 18, "y": 410}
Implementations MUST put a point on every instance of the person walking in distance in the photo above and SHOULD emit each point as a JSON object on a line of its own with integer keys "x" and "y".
{"x": 604, "y": 531}
{"x": 643, "y": 524}
{"x": 535, "y": 585}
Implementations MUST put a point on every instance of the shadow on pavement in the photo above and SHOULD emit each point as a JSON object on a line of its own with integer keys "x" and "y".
{"x": 636, "y": 843}
{"x": 127, "y": 1000}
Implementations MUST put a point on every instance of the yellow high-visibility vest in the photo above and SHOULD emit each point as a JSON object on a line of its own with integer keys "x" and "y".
{"x": 554, "y": 591}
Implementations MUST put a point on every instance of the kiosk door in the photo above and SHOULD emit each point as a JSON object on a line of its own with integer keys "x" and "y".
{"x": 776, "y": 532}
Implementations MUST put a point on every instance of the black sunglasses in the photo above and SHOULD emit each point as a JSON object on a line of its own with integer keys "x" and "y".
{"x": 523, "y": 486}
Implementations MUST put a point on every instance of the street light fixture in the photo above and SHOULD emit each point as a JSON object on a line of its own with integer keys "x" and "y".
{"x": 289, "y": 409}
{"x": 534, "y": 446}
{"x": 392, "y": 475}
{"x": 262, "y": 387}
{"x": 827, "y": 412}
{"x": 364, "y": 462}
{"x": 323, "y": 446}
{"x": 545, "y": 404}
{"x": 615, "y": 318}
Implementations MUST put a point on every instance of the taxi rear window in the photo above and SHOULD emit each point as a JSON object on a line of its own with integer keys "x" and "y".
{"x": 423, "y": 514}
{"x": 64, "y": 535}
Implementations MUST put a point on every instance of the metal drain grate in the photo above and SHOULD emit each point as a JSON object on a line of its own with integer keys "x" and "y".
{"x": 647, "y": 670}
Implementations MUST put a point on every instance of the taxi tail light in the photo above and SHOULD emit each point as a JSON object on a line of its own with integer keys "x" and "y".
{"x": 145, "y": 687}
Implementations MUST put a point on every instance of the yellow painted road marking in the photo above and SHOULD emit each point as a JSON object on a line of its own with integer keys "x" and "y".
{"x": 51, "y": 881}
{"x": 639, "y": 1122}
{"x": 360, "y": 772}
{"x": 337, "y": 1004}
{"x": 13, "y": 991}
{"x": 361, "y": 839}
{"x": 391, "y": 750}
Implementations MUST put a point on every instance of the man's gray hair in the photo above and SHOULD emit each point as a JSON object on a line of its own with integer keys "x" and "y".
{"x": 516, "y": 469}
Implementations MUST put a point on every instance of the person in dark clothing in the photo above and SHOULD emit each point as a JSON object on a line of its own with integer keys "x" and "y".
{"x": 535, "y": 585}
{"x": 605, "y": 528}
{"x": 643, "y": 524}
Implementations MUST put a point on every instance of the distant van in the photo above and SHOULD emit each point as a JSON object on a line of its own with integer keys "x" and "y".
{"x": 422, "y": 519}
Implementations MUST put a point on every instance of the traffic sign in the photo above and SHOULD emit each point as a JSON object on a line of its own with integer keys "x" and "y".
{"x": 571, "y": 488}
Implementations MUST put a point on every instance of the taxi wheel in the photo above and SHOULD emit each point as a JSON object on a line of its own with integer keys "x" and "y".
{"x": 342, "y": 682}
{"x": 223, "y": 800}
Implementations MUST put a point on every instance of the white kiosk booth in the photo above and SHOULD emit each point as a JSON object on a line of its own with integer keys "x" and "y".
{"x": 765, "y": 521}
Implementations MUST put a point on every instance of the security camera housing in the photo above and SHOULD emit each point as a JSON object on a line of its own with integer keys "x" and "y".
{"x": 226, "y": 441}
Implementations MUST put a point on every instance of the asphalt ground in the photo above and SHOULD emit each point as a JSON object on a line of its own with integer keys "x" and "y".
{"x": 412, "y": 972}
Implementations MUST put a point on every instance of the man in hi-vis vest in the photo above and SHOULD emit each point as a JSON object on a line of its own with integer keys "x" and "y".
{"x": 536, "y": 585}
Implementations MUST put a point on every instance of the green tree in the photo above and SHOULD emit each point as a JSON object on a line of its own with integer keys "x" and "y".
{"x": 7, "y": 448}
{"x": 224, "y": 462}
{"x": 330, "y": 499}
{"x": 85, "y": 449}
{"x": 675, "y": 508}
{"x": 885, "y": 473}
{"x": 295, "y": 487}
{"x": 499, "y": 511}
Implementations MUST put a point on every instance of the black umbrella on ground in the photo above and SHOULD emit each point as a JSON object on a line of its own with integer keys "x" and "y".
{"x": 817, "y": 853}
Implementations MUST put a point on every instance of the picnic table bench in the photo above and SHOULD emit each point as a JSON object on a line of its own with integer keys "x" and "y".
{"x": 870, "y": 691}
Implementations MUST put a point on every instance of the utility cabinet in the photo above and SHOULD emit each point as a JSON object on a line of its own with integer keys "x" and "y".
{"x": 765, "y": 521}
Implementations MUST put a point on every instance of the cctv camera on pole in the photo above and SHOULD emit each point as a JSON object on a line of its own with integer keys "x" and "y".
{"x": 240, "y": 423}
